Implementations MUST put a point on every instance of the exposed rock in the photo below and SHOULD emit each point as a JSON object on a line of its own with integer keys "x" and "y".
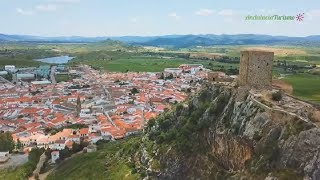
{"x": 237, "y": 137}
{"x": 302, "y": 152}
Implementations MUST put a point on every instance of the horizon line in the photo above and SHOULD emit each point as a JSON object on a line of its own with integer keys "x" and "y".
{"x": 108, "y": 36}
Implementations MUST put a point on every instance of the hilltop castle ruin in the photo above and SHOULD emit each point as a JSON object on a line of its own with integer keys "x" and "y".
{"x": 256, "y": 69}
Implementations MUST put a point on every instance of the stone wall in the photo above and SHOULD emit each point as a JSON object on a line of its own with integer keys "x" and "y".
{"x": 256, "y": 69}
{"x": 219, "y": 77}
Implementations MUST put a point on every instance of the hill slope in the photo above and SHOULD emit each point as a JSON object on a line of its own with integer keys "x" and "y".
{"x": 107, "y": 163}
{"x": 221, "y": 133}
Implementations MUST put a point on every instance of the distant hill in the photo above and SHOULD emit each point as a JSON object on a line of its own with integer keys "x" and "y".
{"x": 62, "y": 39}
{"x": 175, "y": 41}
{"x": 241, "y": 39}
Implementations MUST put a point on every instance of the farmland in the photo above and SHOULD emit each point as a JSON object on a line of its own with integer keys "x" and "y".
{"x": 111, "y": 56}
{"x": 305, "y": 86}
{"x": 140, "y": 63}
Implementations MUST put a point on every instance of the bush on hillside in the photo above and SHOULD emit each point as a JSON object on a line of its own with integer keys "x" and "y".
{"x": 277, "y": 96}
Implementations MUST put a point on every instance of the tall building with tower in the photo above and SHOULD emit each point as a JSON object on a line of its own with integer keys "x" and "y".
{"x": 256, "y": 69}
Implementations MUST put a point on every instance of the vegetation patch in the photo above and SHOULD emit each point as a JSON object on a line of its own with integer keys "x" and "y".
{"x": 63, "y": 78}
{"x": 25, "y": 170}
{"x": 109, "y": 162}
{"x": 183, "y": 130}
{"x": 295, "y": 127}
{"x": 305, "y": 86}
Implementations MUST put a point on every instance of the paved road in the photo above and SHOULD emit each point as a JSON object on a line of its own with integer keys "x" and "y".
{"x": 52, "y": 75}
{"x": 14, "y": 161}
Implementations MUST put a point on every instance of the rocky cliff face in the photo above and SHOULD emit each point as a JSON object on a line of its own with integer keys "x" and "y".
{"x": 224, "y": 133}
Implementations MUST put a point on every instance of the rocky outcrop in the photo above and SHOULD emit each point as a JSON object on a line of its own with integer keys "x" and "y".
{"x": 301, "y": 152}
{"x": 215, "y": 135}
{"x": 232, "y": 152}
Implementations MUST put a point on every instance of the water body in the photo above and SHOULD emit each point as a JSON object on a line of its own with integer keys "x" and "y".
{"x": 56, "y": 60}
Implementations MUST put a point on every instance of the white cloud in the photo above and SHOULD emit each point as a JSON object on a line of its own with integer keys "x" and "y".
{"x": 24, "y": 12}
{"x": 174, "y": 16}
{"x": 226, "y": 12}
{"x": 46, "y": 7}
{"x": 204, "y": 12}
{"x": 49, "y": 7}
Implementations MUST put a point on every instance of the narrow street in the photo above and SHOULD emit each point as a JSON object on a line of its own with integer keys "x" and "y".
{"x": 52, "y": 75}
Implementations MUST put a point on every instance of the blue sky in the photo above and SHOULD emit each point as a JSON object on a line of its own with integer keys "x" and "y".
{"x": 155, "y": 17}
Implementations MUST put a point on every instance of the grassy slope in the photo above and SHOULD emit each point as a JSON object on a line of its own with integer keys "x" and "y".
{"x": 23, "y": 55}
{"x": 19, "y": 62}
{"x": 25, "y": 170}
{"x": 305, "y": 86}
{"x": 93, "y": 165}
{"x": 13, "y": 174}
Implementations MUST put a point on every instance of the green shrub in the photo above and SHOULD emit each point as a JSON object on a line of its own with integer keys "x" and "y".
{"x": 24, "y": 171}
{"x": 6, "y": 142}
{"x": 277, "y": 96}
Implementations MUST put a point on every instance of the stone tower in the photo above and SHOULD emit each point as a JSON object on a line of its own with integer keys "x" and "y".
{"x": 256, "y": 69}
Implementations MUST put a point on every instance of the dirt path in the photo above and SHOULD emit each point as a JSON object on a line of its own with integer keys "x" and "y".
{"x": 281, "y": 84}
{"x": 44, "y": 176}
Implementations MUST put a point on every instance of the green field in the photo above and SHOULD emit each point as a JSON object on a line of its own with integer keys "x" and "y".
{"x": 62, "y": 77}
{"x": 106, "y": 163}
{"x": 305, "y": 86}
{"x": 137, "y": 64}
{"x": 23, "y": 55}
{"x": 114, "y": 56}
{"x": 19, "y": 62}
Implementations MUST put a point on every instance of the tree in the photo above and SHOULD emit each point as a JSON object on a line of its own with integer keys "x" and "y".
{"x": 161, "y": 76}
{"x": 170, "y": 76}
{"x": 64, "y": 153}
{"x": 6, "y": 142}
{"x": 76, "y": 147}
{"x": 19, "y": 145}
{"x": 8, "y": 76}
{"x": 134, "y": 91}
{"x": 34, "y": 155}
{"x": 151, "y": 123}
{"x": 277, "y": 96}
{"x": 83, "y": 144}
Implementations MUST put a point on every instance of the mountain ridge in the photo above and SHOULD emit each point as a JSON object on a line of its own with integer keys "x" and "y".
{"x": 175, "y": 41}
